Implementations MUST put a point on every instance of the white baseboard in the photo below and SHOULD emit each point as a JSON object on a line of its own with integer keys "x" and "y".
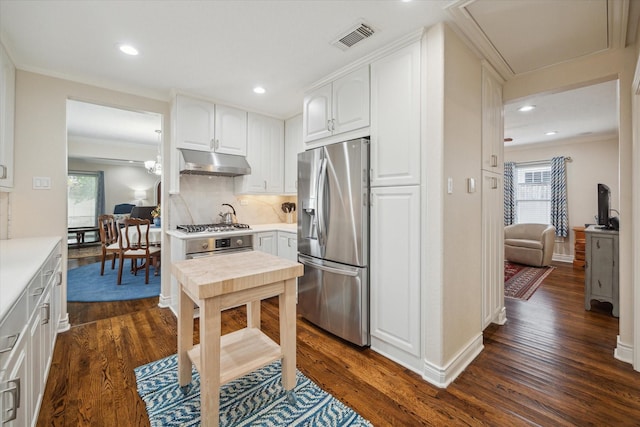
{"x": 562, "y": 258}
{"x": 443, "y": 376}
{"x": 64, "y": 325}
{"x": 623, "y": 352}
{"x": 164, "y": 301}
{"x": 501, "y": 317}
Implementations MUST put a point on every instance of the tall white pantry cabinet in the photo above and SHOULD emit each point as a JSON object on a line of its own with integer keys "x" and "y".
{"x": 395, "y": 206}
{"x": 493, "y": 310}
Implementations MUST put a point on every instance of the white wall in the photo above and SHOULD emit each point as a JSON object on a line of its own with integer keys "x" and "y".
{"x": 120, "y": 182}
{"x": 593, "y": 161}
{"x": 41, "y": 150}
{"x": 452, "y": 270}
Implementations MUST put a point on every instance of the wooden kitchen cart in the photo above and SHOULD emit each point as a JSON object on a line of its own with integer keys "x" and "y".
{"x": 216, "y": 283}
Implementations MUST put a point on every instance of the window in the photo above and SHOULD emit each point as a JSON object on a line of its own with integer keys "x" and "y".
{"x": 83, "y": 198}
{"x": 533, "y": 193}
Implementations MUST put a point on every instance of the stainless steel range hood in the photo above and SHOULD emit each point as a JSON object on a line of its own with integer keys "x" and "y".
{"x": 208, "y": 163}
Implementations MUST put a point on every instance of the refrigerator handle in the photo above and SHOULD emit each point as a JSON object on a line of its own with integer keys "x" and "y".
{"x": 322, "y": 180}
{"x": 305, "y": 261}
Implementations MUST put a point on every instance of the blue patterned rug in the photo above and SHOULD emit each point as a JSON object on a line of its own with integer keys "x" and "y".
{"x": 85, "y": 284}
{"x": 257, "y": 399}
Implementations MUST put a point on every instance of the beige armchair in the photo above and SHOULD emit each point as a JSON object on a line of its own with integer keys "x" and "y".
{"x": 529, "y": 244}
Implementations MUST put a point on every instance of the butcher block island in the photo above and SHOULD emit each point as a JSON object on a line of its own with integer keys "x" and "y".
{"x": 217, "y": 283}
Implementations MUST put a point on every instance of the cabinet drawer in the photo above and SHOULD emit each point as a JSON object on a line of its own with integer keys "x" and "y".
{"x": 11, "y": 327}
{"x": 580, "y": 246}
{"x": 35, "y": 290}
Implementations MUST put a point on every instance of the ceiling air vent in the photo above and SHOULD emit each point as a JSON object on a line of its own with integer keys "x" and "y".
{"x": 353, "y": 36}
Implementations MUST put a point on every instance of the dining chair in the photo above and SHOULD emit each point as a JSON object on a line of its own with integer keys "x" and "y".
{"x": 134, "y": 245}
{"x": 108, "y": 229}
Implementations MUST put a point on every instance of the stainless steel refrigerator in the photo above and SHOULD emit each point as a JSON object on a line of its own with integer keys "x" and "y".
{"x": 333, "y": 238}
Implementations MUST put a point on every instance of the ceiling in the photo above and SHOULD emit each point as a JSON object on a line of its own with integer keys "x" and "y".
{"x": 220, "y": 50}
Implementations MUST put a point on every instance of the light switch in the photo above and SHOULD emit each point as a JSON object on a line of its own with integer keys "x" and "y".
{"x": 449, "y": 185}
{"x": 41, "y": 183}
{"x": 471, "y": 185}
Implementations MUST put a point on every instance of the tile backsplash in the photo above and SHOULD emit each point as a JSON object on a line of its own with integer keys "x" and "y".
{"x": 201, "y": 198}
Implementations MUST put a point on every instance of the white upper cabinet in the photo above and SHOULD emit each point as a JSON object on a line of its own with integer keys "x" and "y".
{"x": 265, "y": 154}
{"x": 195, "y": 124}
{"x": 492, "y": 121}
{"x": 204, "y": 126}
{"x": 395, "y": 118}
{"x": 7, "y": 114}
{"x": 292, "y": 146}
{"x": 230, "y": 131}
{"x": 337, "y": 107}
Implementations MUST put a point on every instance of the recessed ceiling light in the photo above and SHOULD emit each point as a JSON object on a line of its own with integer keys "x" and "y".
{"x": 259, "y": 89}
{"x": 551, "y": 132}
{"x": 526, "y": 108}
{"x": 128, "y": 49}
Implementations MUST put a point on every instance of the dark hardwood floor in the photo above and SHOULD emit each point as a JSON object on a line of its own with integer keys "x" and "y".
{"x": 551, "y": 364}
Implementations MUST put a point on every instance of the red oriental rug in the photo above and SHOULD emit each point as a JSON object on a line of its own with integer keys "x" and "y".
{"x": 521, "y": 281}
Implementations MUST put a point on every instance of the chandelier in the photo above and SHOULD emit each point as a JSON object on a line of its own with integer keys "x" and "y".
{"x": 155, "y": 166}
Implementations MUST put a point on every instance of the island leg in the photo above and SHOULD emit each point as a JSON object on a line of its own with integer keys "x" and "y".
{"x": 210, "y": 331}
{"x": 185, "y": 338}
{"x": 253, "y": 314}
{"x": 287, "y": 307}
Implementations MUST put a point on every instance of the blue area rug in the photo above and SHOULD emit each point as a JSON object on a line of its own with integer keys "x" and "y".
{"x": 257, "y": 399}
{"x": 84, "y": 284}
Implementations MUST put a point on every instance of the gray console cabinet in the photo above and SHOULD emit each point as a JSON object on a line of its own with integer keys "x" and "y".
{"x": 601, "y": 268}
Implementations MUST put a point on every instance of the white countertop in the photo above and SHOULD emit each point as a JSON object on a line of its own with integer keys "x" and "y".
{"x": 20, "y": 261}
{"x": 258, "y": 228}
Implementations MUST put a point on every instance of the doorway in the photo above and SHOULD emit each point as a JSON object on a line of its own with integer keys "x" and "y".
{"x": 107, "y": 146}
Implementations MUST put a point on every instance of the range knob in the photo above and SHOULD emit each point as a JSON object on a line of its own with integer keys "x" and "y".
{"x": 239, "y": 242}
{"x": 205, "y": 245}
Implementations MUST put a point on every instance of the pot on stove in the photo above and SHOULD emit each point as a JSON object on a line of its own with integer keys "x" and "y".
{"x": 228, "y": 217}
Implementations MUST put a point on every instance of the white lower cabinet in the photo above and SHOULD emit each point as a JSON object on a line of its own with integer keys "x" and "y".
{"x": 266, "y": 242}
{"x": 27, "y": 339}
{"x": 13, "y": 379}
{"x": 280, "y": 243}
{"x": 288, "y": 245}
{"x": 395, "y": 272}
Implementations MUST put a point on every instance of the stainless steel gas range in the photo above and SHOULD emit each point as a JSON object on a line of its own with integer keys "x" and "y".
{"x": 215, "y": 239}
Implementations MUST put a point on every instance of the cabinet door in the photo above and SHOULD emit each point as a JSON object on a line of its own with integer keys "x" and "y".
{"x": 492, "y": 248}
{"x": 602, "y": 266}
{"x": 266, "y": 242}
{"x": 350, "y": 101}
{"x": 292, "y": 146}
{"x": 195, "y": 122}
{"x": 395, "y": 267}
{"x": 7, "y": 113}
{"x": 265, "y": 154}
{"x": 288, "y": 245}
{"x": 395, "y": 118}
{"x": 35, "y": 360}
{"x": 274, "y": 167}
{"x": 14, "y": 389}
{"x": 317, "y": 114}
{"x": 492, "y": 122}
{"x": 230, "y": 131}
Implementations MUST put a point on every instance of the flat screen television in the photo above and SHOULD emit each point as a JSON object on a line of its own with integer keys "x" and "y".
{"x": 604, "y": 200}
